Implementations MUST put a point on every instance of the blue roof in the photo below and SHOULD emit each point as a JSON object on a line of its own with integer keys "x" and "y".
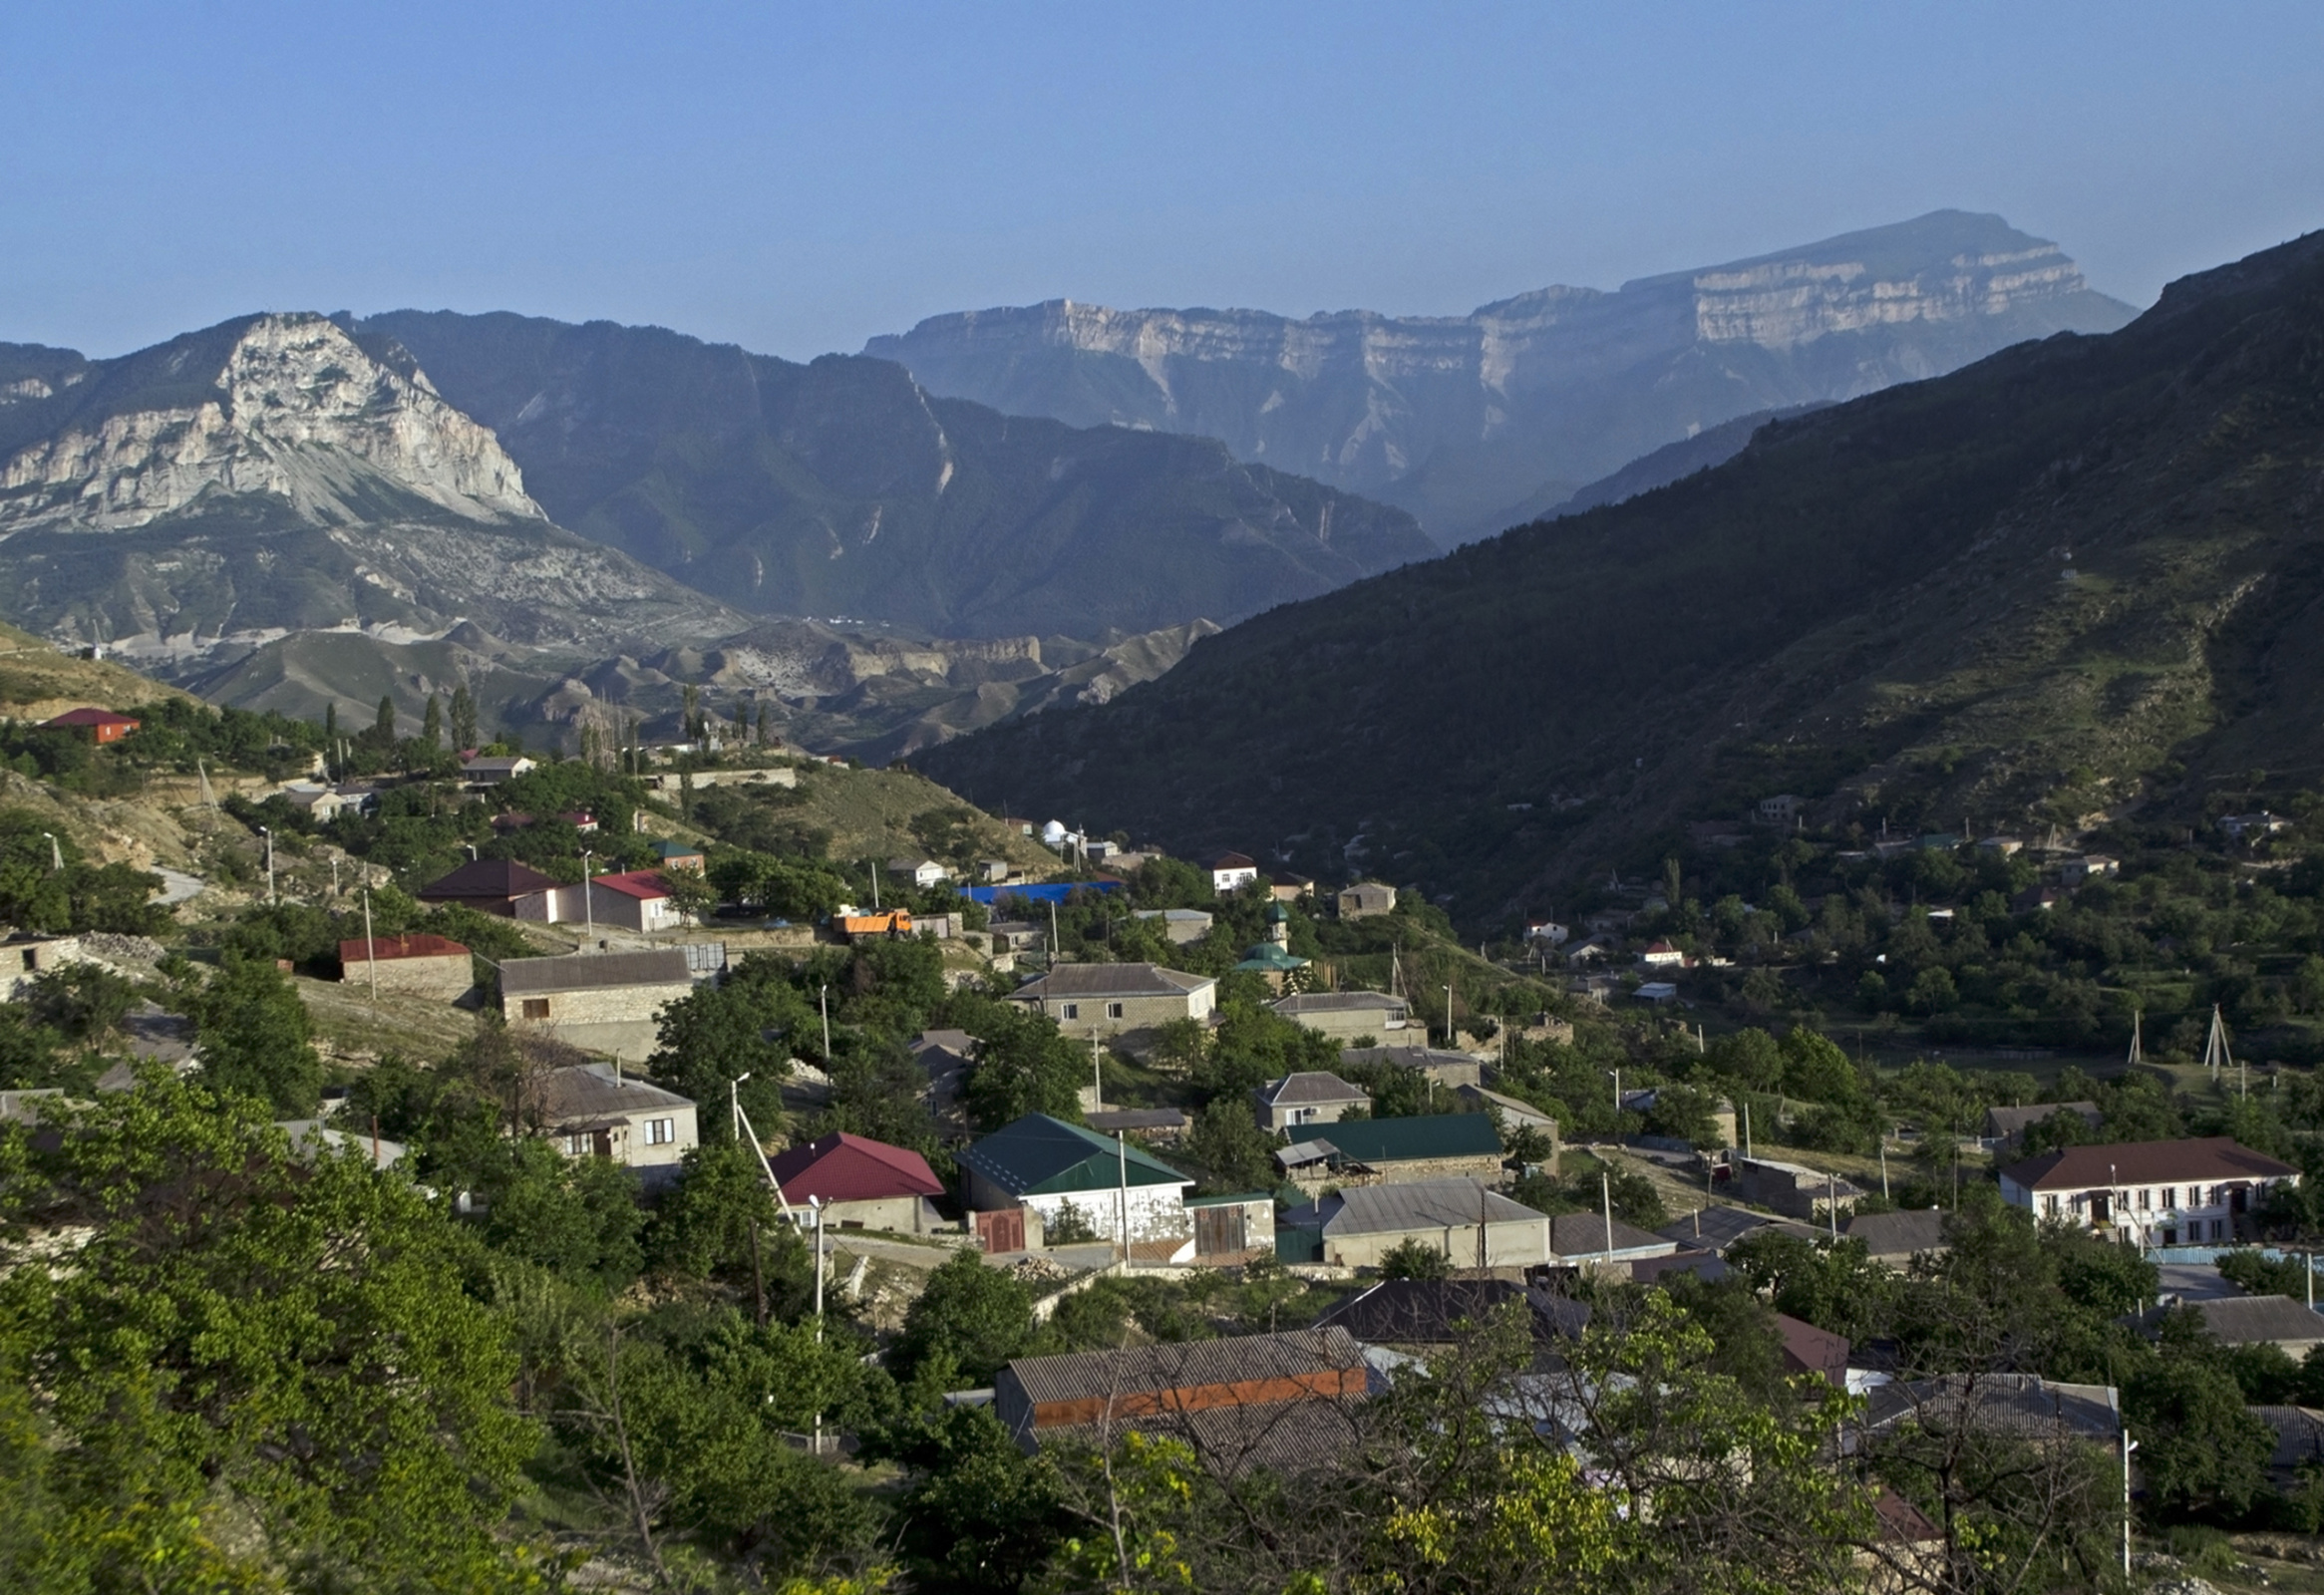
{"x": 1054, "y": 891}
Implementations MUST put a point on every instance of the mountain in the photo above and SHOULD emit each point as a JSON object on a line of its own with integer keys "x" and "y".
{"x": 1673, "y": 461}
{"x": 2082, "y": 576}
{"x": 267, "y": 475}
{"x": 1466, "y": 421}
{"x": 843, "y": 489}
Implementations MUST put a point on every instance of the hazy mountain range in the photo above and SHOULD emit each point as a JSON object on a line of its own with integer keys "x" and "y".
{"x": 1478, "y": 423}
{"x": 2080, "y": 575}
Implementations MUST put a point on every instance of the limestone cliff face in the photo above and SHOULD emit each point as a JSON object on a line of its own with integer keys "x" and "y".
{"x": 1462, "y": 419}
{"x": 289, "y": 407}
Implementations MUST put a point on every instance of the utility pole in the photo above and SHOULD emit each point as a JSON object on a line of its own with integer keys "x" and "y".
{"x": 1746, "y": 1129}
{"x": 588, "y": 895}
{"x": 1097, "y": 1075}
{"x": 827, "y": 1002}
{"x": 334, "y": 877}
{"x": 1884, "y": 1166}
{"x": 1606, "y": 1196}
{"x": 1122, "y": 1197}
{"x": 1448, "y": 1016}
{"x": 2128, "y": 1445}
{"x": 269, "y": 834}
{"x": 817, "y": 1202}
{"x": 370, "y": 947}
{"x": 55, "y": 854}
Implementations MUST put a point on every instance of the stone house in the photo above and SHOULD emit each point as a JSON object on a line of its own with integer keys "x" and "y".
{"x": 1179, "y": 925}
{"x": 1447, "y": 1068}
{"x": 23, "y": 957}
{"x": 1278, "y": 1400}
{"x": 419, "y": 965}
{"x": 1592, "y": 1239}
{"x": 602, "y": 1001}
{"x": 1388, "y": 1151}
{"x": 493, "y": 769}
{"x": 1366, "y": 898}
{"x": 862, "y": 1183}
{"x": 1348, "y": 1016}
{"x": 1472, "y": 1226}
{"x": 679, "y": 855}
{"x": 1062, "y": 1179}
{"x": 1792, "y": 1189}
{"x": 1514, "y": 1111}
{"x": 595, "y": 1111}
{"x": 1307, "y": 1098}
{"x": 1115, "y": 999}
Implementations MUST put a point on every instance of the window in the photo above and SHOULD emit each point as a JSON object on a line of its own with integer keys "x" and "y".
{"x": 537, "y": 1008}
{"x": 2142, "y": 1202}
{"x": 661, "y": 1132}
{"x": 1069, "y": 1011}
{"x": 2171, "y": 1195}
{"x": 2218, "y": 1230}
{"x": 576, "y": 1145}
{"x": 1113, "y": 1010}
{"x": 2050, "y": 1207}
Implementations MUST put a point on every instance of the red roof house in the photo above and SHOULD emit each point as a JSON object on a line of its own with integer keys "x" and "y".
{"x": 424, "y": 965}
{"x": 862, "y": 1183}
{"x": 636, "y": 899}
{"x": 103, "y": 724}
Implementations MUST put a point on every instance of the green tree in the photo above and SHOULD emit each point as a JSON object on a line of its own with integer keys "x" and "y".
{"x": 577, "y": 1218}
{"x": 748, "y": 1024}
{"x": 1230, "y": 1149}
{"x": 383, "y": 722}
{"x": 464, "y": 719}
{"x": 971, "y": 1317}
{"x": 2199, "y": 1450}
{"x": 432, "y": 725}
{"x": 255, "y": 1036}
{"x": 1415, "y": 1259}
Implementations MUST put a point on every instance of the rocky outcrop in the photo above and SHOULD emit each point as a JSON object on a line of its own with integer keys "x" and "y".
{"x": 1465, "y": 418}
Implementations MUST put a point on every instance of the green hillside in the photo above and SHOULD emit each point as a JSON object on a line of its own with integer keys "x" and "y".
{"x": 2078, "y": 576}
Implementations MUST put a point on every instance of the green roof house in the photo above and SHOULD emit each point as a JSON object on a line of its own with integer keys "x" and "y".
{"x": 1077, "y": 1180}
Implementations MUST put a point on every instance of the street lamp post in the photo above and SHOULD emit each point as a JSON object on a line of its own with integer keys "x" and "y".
{"x": 826, "y": 998}
{"x": 1448, "y": 1016}
{"x": 55, "y": 854}
{"x": 588, "y": 906}
{"x": 269, "y": 832}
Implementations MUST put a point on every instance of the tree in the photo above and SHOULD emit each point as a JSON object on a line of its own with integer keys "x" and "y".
{"x": 972, "y": 1316}
{"x": 464, "y": 719}
{"x": 2199, "y": 1450}
{"x": 1023, "y": 1065}
{"x": 748, "y": 1024}
{"x": 254, "y": 1037}
{"x": 383, "y": 722}
{"x": 1229, "y": 1145}
{"x": 721, "y": 1222}
{"x": 577, "y": 1218}
{"x": 432, "y": 725}
{"x": 1415, "y": 1259}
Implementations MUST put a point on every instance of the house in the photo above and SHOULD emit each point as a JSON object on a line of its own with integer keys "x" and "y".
{"x": 1897, "y": 1238}
{"x": 1662, "y": 955}
{"x": 678, "y": 855}
{"x": 1641, "y": 1100}
{"x": 595, "y": 1111}
{"x": 1366, "y": 898}
{"x": 1447, "y": 1068}
{"x": 1718, "y": 1228}
{"x": 1307, "y": 1098}
{"x": 2089, "y": 867}
{"x": 1153, "y": 1123}
{"x": 1808, "y": 1350}
{"x": 1232, "y": 1228}
{"x": 1581, "y": 1239}
{"x": 862, "y": 1183}
{"x": 2039, "y": 899}
{"x": 2236, "y": 826}
{"x": 635, "y": 899}
{"x": 1781, "y": 810}
{"x": 1348, "y": 1016}
{"x": 1388, "y": 1151}
{"x": 1111, "y": 999}
{"x": 1288, "y": 888}
{"x": 501, "y": 886}
{"x": 2003, "y": 845}
{"x": 102, "y": 724}
{"x": 885, "y": 924}
{"x": 1790, "y": 1188}
{"x": 1547, "y": 931}
{"x": 922, "y": 873}
{"x": 1061, "y": 1179}
{"x": 1425, "y": 1316}
{"x": 2008, "y": 1126}
{"x": 318, "y": 802}
{"x": 493, "y": 769}
{"x": 1656, "y": 991}
{"x": 1179, "y": 925}
{"x": 1470, "y": 1226}
{"x": 2300, "y": 1443}
{"x": 2149, "y": 1193}
{"x": 1516, "y": 1113}
{"x": 603, "y": 1001}
{"x": 2024, "y": 1405}
{"x": 420, "y": 965}
{"x": 1232, "y": 871}
{"x": 1706, "y": 1266}
{"x": 24, "y": 957}
{"x": 1282, "y": 1401}
{"x": 2292, "y": 1326}
{"x": 945, "y": 1057}
{"x": 311, "y": 1138}
{"x": 1020, "y": 935}
{"x": 992, "y": 872}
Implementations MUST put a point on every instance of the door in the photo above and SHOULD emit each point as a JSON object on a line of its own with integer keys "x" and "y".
{"x": 1219, "y": 1230}
{"x": 1002, "y": 1230}
{"x": 2101, "y": 1209}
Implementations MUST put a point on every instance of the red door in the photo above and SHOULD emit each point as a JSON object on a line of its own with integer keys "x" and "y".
{"x": 1001, "y": 1231}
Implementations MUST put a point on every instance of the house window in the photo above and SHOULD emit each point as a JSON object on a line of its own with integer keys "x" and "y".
{"x": 2050, "y": 1207}
{"x": 1069, "y": 1011}
{"x": 1113, "y": 1010}
{"x": 2142, "y": 1195}
{"x": 577, "y": 1145}
{"x": 2218, "y": 1230}
{"x": 661, "y": 1132}
{"x": 2171, "y": 1195}
{"x": 537, "y": 1008}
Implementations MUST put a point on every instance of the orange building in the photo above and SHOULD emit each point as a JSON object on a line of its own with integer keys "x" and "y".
{"x": 103, "y": 724}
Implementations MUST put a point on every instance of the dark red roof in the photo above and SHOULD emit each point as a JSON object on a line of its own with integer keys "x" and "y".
{"x": 849, "y": 1169}
{"x": 643, "y": 883}
{"x": 501, "y": 878}
{"x": 2145, "y": 1162}
{"x": 1808, "y": 1350}
{"x": 1235, "y": 861}
{"x": 385, "y": 949}
{"x": 91, "y": 717}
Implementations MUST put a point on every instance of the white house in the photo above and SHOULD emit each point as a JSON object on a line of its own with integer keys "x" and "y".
{"x": 637, "y": 899}
{"x": 1230, "y": 872}
{"x": 1077, "y": 1182}
{"x": 491, "y": 770}
{"x": 2149, "y": 1193}
{"x": 922, "y": 873}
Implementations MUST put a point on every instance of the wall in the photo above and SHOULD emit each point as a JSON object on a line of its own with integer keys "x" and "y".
{"x": 1280, "y": 1117}
{"x": 1346, "y": 1025}
{"x": 906, "y": 1215}
{"x": 446, "y": 977}
{"x": 601, "y": 1006}
{"x": 1090, "y": 1016}
{"x": 1509, "y": 1243}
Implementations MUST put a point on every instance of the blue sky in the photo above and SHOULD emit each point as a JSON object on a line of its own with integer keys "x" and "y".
{"x": 796, "y": 178}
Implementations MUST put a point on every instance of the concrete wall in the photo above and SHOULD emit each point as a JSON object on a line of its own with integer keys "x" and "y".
{"x": 609, "y": 1005}
{"x": 1346, "y": 1025}
{"x": 1281, "y": 1115}
{"x": 618, "y": 909}
{"x": 1486, "y": 1169}
{"x": 628, "y": 1143}
{"x": 446, "y": 977}
{"x": 1088, "y": 1016}
{"x": 905, "y": 1215}
{"x": 1509, "y": 1243}
{"x": 1157, "y": 1212}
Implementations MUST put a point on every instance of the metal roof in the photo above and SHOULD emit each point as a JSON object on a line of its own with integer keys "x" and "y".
{"x": 1410, "y": 1057}
{"x": 1335, "y": 1002}
{"x": 840, "y": 1167}
{"x": 593, "y": 1092}
{"x": 1721, "y": 1227}
{"x": 381, "y": 949}
{"x": 1106, "y": 1121}
{"x": 2014, "y": 1403}
{"x": 488, "y": 877}
{"x": 1584, "y": 1236}
{"x": 1432, "y": 1311}
{"x": 1309, "y": 1085}
{"x": 1395, "y": 1140}
{"x": 2145, "y": 1162}
{"x": 1281, "y": 1436}
{"x": 533, "y": 977}
{"x": 1417, "y": 1204}
{"x": 1038, "y": 1156}
{"x": 1899, "y": 1234}
{"x": 1111, "y": 980}
{"x": 2249, "y": 1320}
{"x": 1150, "y": 1369}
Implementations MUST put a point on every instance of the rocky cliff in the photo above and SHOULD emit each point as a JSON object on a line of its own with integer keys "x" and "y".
{"x": 1467, "y": 419}
{"x": 267, "y": 475}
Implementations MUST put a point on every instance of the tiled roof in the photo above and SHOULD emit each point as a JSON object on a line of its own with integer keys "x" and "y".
{"x": 1309, "y": 1085}
{"x": 1111, "y": 980}
{"x": 840, "y": 1167}
{"x": 2145, "y": 1162}
{"x": 488, "y": 877}
{"x": 382, "y": 949}
{"x": 1038, "y": 1156}
{"x": 1395, "y": 1140}
{"x": 533, "y": 977}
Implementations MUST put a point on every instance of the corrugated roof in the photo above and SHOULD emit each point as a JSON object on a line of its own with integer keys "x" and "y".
{"x": 2248, "y": 1320}
{"x": 1310, "y": 1086}
{"x": 1287, "y": 1438}
{"x": 644, "y": 885}
{"x": 488, "y": 877}
{"x": 1584, "y": 1236}
{"x": 1106, "y": 1121}
{"x": 590, "y": 1091}
{"x": 1038, "y": 1156}
{"x": 1150, "y": 1369}
{"x": 2299, "y": 1435}
{"x": 2012, "y": 1403}
{"x": 533, "y": 977}
{"x": 1111, "y": 980}
{"x": 840, "y": 1167}
{"x": 1335, "y": 1002}
{"x": 1394, "y": 1140}
{"x": 2145, "y": 1162}
{"x": 1432, "y": 1311}
{"x": 381, "y": 949}
{"x": 2013, "y": 1120}
{"x": 1418, "y": 1205}
{"x": 1899, "y": 1234}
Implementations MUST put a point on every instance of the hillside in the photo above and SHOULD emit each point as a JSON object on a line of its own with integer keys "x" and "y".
{"x": 2079, "y": 575}
{"x": 1475, "y": 422}
{"x": 841, "y": 488}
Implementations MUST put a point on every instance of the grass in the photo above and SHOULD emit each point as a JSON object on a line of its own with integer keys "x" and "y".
{"x": 350, "y": 1027}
